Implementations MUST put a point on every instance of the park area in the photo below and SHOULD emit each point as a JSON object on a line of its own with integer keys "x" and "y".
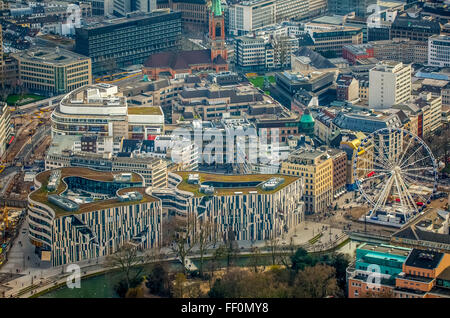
{"x": 258, "y": 81}
{"x": 19, "y": 100}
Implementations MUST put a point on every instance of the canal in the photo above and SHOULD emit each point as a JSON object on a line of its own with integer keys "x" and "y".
{"x": 102, "y": 285}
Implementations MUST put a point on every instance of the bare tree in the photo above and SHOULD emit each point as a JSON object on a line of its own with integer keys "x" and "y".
{"x": 231, "y": 248}
{"x": 206, "y": 237}
{"x": 213, "y": 264}
{"x": 182, "y": 237}
{"x": 126, "y": 259}
{"x": 286, "y": 254}
{"x": 273, "y": 245}
{"x": 255, "y": 259}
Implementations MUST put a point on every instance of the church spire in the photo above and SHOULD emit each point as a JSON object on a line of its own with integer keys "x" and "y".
{"x": 217, "y": 8}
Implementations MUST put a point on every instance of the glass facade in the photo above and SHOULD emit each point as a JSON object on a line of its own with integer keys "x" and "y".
{"x": 120, "y": 44}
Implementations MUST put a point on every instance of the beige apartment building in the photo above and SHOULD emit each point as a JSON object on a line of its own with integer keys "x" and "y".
{"x": 431, "y": 107}
{"x": 52, "y": 70}
{"x": 364, "y": 89}
{"x": 401, "y": 49}
{"x": 316, "y": 169}
{"x": 332, "y": 38}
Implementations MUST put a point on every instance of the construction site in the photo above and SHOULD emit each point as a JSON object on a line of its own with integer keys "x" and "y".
{"x": 19, "y": 166}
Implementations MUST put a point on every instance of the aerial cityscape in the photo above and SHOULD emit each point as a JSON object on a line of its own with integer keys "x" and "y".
{"x": 198, "y": 149}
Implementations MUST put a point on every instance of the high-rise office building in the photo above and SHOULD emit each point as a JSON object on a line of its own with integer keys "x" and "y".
{"x": 122, "y": 7}
{"x": 439, "y": 50}
{"x": 362, "y": 8}
{"x": 389, "y": 84}
{"x": 248, "y": 16}
{"x": 52, "y": 71}
{"x": 194, "y": 13}
{"x": 291, "y": 9}
{"x": 128, "y": 41}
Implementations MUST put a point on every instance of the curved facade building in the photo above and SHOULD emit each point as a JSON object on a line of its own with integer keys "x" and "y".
{"x": 253, "y": 207}
{"x": 79, "y": 213}
{"x": 102, "y": 110}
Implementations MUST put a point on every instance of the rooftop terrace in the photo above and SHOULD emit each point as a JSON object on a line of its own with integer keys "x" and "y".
{"x": 255, "y": 182}
{"x": 41, "y": 195}
{"x": 153, "y": 110}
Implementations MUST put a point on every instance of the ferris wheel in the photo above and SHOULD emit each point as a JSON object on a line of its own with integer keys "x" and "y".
{"x": 396, "y": 173}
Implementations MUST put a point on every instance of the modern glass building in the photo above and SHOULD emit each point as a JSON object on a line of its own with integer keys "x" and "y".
{"x": 122, "y": 42}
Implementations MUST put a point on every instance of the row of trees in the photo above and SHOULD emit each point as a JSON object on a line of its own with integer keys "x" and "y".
{"x": 306, "y": 276}
{"x": 301, "y": 275}
{"x": 186, "y": 236}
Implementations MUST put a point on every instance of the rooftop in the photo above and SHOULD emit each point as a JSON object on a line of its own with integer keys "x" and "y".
{"x": 153, "y": 110}
{"x": 426, "y": 259}
{"x": 134, "y": 17}
{"x": 48, "y": 55}
{"x": 384, "y": 248}
{"x": 254, "y": 183}
{"x": 41, "y": 195}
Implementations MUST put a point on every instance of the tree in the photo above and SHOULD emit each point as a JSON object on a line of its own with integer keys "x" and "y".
{"x": 128, "y": 262}
{"x": 318, "y": 281}
{"x": 193, "y": 290}
{"x": 273, "y": 245}
{"x": 302, "y": 259}
{"x": 231, "y": 249}
{"x": 181, "y": 236}
{"x": 206, "y": 237}
{"x": 340, "y": 263}
{"x": 135, "y": 292}
{"x": 212, "y": 265}
{"x": 285, "y": 258}
{"x": 178, "y": 285}
{"x": 238, "y": 283}
{"x": 158, "y": 281}
{"x": 255, "y": 258}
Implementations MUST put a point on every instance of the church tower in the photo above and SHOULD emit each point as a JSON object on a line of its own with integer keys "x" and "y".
{"x": 217, "y": 31}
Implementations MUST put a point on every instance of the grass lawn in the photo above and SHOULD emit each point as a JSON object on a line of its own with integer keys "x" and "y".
{"x": 22, "y": 100}
{"x": 142, "y": 110}
{"x": 259, "y": 80}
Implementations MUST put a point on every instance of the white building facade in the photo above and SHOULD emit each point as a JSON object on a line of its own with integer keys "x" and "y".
{"x": 439, "y": 51}
{"x": 248, "y": 16}
{"x": 389, "y": 84}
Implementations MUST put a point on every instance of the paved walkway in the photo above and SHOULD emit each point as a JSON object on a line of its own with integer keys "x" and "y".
{"x": 30, "y": 276}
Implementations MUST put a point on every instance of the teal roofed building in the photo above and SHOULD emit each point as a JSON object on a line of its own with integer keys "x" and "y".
{"x": 390, "y": 258}
{"x": 307, "y": 123}
{"x": 387, "y": 260}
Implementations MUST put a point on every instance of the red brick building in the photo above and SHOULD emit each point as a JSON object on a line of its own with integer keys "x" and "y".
{"x": 355, "y": 52}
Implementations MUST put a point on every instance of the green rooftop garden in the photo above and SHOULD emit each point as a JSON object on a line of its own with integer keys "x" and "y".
{"x": 204, "y": 177}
